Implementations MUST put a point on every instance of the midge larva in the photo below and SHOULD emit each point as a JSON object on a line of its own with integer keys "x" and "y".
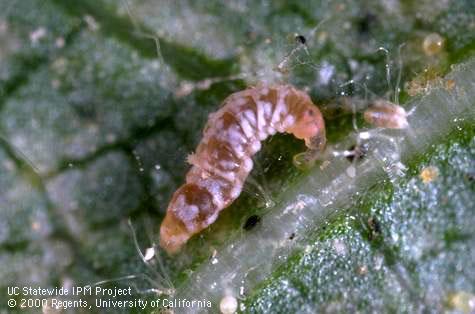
{"x": 222, "y": 160}
{"x": 385, "y": 114}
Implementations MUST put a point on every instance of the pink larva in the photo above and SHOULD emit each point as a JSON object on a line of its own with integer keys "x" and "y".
{"x": 385, "y": 114}
{"x": 222, "y": 160}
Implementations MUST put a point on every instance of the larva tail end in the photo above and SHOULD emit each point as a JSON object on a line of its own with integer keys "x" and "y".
{"x": 173, "y": 235}
{"x": 190, "y": 211}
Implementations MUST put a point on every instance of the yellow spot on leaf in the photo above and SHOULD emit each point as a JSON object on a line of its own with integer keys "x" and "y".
{"x": 462, "y": 301}
{"x": 429, "y": 174}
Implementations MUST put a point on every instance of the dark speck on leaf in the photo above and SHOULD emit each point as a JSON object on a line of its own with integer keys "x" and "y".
{"x": 471, "y": 177}
{"x": 251, "y": 222}
{"x": 301, "y": 39}
{"x": 374, "y": 227}
{"x": 358, "y": 153}
{"x": 366, "y": 23}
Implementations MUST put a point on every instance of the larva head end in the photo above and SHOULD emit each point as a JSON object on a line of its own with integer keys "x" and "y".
{"x": 310, "y": 126}
{"x": 317, "y": 142}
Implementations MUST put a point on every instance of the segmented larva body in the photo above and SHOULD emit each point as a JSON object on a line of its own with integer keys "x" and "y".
{"x": 223, "y": 159}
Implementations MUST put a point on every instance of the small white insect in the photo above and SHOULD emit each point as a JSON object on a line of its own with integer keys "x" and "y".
{"x": 228, "y": 305}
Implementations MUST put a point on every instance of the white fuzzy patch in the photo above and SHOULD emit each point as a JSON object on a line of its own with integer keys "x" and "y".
{"x": 271, "y": 130}
{"x": 149, "y": 254}
{"x": 186, "y": 212}
{"x": 229, "y": 176}
{"x": 255, "y": 146}
{"x": 364, "y": 135}
{"x": 401, "y": 118}
{"x": 280, "y": 109}
{"x": 236, "y": 190}
{"x": 246, "y": 127}
{"x": 214, "y": 187}
{"x": 234, "y": 136}
{"x": 279, "y": 127}
{"x": 288, "y": 121}
{"x": 260, "y": 117}
{"x": 212, "y": 218}
{"x": 238, "y": 150}
{"x": 267, "y": 110}
{"x": 228, "y": 165}
{"x": 219, "y": 123}
{"x": 250, "y": 116}
{"x": 208, "y": 168}
{"x": 248, "y": 164}
{"x": 240, "y": 101}
{"x": 326, "y": 73}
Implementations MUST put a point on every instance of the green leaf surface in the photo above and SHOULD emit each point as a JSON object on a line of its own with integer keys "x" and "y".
{"x": 101, "y": 101}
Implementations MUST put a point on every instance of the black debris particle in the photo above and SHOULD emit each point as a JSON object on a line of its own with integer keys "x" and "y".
{"x": 301, "y": 39}
{"x": 366, "y": 23}
{"x": 470, "y": 177}
{"x": 359, "y": 152}
{"x": 374, "y": 228}
{"x": 251, "y": 222}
